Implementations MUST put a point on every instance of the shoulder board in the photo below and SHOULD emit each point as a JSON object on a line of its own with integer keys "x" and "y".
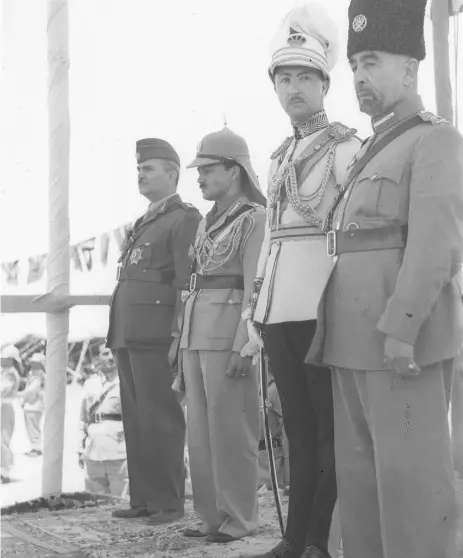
{"x": 189, "y": 206}
{"x": 340, "y": 132}
{"x": 283, "y": 147}
{"x": 432, "y": 118}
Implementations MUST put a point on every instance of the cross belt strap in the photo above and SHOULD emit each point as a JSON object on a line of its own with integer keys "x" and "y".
{"x": 198, "y": 282}
{"x": 364, "y": 240}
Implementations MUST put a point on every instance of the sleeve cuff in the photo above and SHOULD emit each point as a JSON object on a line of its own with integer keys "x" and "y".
{"x": 402, "y": 321}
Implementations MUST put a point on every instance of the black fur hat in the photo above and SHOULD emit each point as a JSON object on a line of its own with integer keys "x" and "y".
{"x": 394, "y": 26}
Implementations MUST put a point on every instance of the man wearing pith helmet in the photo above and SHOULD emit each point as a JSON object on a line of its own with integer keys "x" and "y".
{"x": 143, "y": 332}
{"x": 221, "y": 384}
{"x": 294, "y": 266}
{"x": 392, "y": 313}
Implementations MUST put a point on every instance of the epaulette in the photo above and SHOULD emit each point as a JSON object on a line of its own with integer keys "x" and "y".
{"x": 189, "y": 206}
{"x": 283, "y": 147}
{"x": 432, "y": 118}
{"x": 340, "y": 132}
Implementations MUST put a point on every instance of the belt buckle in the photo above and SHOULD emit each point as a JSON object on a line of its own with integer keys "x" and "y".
{"x": 331, "y": 243}
{"x": 193, "y": 279}
{"x": 97, "y": 417}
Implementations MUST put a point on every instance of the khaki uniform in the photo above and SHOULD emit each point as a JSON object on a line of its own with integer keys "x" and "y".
{"x": 143, "y": 321}
{"x": 393, "y": 450}
{"x": 223, "y": 413}
{"x": 103, "y": 440}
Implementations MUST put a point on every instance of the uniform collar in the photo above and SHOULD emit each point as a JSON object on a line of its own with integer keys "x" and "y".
{"x": 215, "y": 217}
{"x": 316, "y": 122}
{"x": 402, "y": 110}
{"x": 160, "y": 206}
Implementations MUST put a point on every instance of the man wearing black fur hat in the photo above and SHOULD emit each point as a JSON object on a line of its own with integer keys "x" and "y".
{"x": 391, "y": 323}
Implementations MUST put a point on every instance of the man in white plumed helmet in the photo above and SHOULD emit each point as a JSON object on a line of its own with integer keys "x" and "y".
{"x": 294, "y": 267}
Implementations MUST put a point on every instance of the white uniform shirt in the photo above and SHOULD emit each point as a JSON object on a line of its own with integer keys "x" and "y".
{"x": 295, "y": 273}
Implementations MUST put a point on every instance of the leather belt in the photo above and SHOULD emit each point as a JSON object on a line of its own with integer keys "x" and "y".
{"x": 276, "y": 443}
{"x": 198, "y": 282}
{"x": 356, "y": 239}
{"x": 301, "y": 232}
{"x": 149, "y": 275}
{"x": 100, "y": 417}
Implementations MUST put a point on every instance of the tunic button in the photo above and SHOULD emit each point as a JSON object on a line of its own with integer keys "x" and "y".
{"x": 230, "y": 302}
{"x": 337, "y": 226}
{"x": 158, "y": 302}
{"x": 346, "y": 195}
{"x": 317, "y": 146}
{"x": 374, "y": 177}
{"x": 335, "y": 259}
{"x": 143, "y": 270}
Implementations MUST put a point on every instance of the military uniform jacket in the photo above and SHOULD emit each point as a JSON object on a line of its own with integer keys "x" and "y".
{"x": 229, "y": 245}
{"x": 295, "y": 268}
{"x": 102, "y": 441}
{"x": 153, "y": 267}
{"x": 408, "y": 293}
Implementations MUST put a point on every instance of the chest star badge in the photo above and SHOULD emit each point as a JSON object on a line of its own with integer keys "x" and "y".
{"x": 136, "y": 255}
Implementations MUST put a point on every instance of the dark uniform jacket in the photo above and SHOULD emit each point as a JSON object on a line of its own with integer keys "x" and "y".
{"x": 408, "y": 293}
{"x": 153, "y": 267}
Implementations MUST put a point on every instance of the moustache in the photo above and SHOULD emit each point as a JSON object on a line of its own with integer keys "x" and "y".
{"x": 296, "y": 100}
{"x": 362, "y": 92}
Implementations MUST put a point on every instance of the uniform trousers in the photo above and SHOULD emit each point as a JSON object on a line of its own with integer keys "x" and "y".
{"x": 307, "y": 405}
{"x": 107, "y": 477}
{"x": 33, "y": 422}
{"x": 154, "y": 426}
{"x": 223, "y": 439}
{"x": 394, "y": 463}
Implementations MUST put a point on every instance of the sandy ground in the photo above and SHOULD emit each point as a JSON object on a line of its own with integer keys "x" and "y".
{"x": 159, "y": 541}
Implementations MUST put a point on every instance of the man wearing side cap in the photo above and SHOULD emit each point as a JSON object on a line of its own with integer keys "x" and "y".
{"x": 391, "y": 322}
{"x": 293, "y": 269}
{"x": 143, "y": 326}
{"x": 221, "y": 385}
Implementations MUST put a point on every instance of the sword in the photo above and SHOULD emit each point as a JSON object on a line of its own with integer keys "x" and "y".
{"x": 268, "y": 437}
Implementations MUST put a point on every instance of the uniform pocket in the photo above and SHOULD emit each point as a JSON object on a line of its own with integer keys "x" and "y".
{"x": 381, "y": 192}
{"x": 220, "y": 312}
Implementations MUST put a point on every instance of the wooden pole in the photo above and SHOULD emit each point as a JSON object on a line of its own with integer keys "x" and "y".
{"x": 58, "y": 268}
{"x": 440, "y": 17}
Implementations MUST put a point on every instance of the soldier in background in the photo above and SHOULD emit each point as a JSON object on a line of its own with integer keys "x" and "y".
{"x": 391, "y": 320}
{"x": 102, "y": 449}
{"x": 143, "y": 329}
{"x": 10, "y": 380}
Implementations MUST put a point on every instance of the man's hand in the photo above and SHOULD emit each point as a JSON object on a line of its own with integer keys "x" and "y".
{"x": 238, "y": 366}
{"x": 173, "y": 352}
{"x": 400, "y": 356}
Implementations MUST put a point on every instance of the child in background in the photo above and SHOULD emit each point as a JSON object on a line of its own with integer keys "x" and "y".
{"x": 33, "y": 403}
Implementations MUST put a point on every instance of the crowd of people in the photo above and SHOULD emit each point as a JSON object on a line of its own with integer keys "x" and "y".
{"x": 345, "y": 275}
